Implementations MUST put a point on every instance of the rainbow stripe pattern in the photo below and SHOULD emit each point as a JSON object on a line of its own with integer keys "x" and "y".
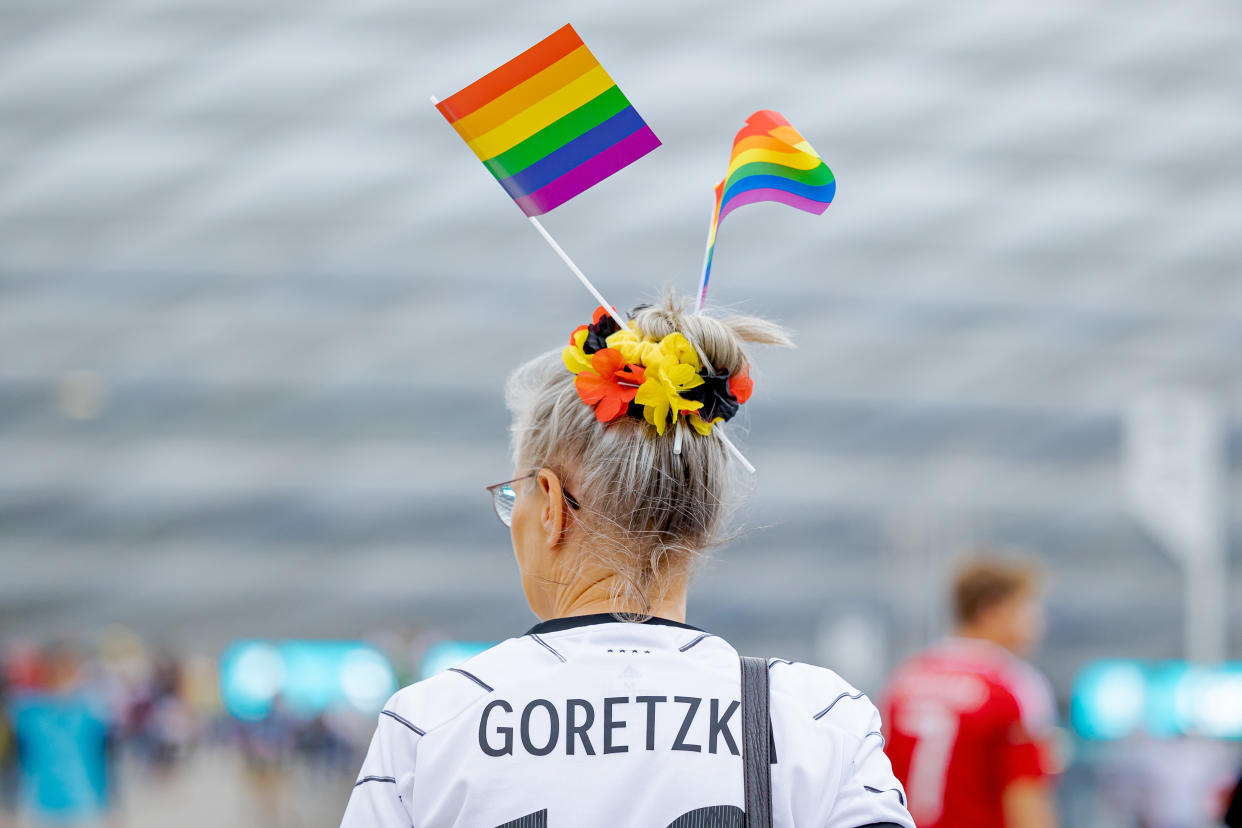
{"x": 771, "y": 161}
{"x": 550, "y": 123}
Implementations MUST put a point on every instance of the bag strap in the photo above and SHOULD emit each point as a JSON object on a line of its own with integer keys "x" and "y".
{"x": 756, "y": 743}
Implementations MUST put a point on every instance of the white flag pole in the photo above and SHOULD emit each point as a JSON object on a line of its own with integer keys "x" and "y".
{"x": 586, "y": 283}
{"x": 733, "y": 449}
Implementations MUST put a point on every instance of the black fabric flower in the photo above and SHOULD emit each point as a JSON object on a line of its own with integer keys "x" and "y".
{"x": 598, "y": 333}
{"x": 717, "y": 399}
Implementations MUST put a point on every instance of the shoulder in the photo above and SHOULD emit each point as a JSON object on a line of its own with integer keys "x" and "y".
{"x": 846, "y": 726}
{"x": 821, "y": 695}
{"x": 1032, "y": 694}
{"x": 433, "y": 702}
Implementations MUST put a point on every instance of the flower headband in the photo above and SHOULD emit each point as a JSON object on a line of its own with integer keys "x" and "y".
{"x": 619, "y": 372}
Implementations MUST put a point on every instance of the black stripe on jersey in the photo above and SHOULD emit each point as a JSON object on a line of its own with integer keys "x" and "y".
{"x": 883, "y": 741}
{"x": 713, "y": 816}
{"x": 473, "y": 678}
{"x": 824, "y": 712}
{"x": 776, "y": 661}
{"x": 900, "y": 795}
{"x": 392, "y": 715}
{"x": 547, "y": 646}
{"x": 575, "y": 621}
{"x": 539, "y": 819}
{"x": 685, "y": 647}
{"x": 880, "y": 825}
{"x": 375, "y": 779}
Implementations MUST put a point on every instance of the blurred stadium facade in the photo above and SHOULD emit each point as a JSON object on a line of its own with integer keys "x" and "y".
{"x": 259, "y": 303}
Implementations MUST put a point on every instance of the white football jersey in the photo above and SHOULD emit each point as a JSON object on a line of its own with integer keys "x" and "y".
{"x": 590, "y": 721}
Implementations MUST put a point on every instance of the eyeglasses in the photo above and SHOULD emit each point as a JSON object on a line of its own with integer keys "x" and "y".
{"x": 504, "y": 496}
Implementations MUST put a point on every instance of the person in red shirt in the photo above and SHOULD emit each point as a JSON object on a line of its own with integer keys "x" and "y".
{"x": 969, "y": 724}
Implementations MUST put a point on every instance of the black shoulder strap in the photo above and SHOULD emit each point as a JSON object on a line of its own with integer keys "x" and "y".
{"x": 756, "y": 742}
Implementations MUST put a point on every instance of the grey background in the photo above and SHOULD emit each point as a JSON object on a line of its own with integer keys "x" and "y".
{"x": 257, "y": 303}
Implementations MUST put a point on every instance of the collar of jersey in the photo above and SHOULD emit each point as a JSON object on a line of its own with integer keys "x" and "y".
{"x": 574, "y": 621}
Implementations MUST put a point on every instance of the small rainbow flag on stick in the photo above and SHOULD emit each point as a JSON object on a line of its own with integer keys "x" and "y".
{"x": 550, "y": 123}
{"x": 771, "y": 161}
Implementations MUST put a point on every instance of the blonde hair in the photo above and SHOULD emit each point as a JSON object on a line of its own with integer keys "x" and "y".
{"x": 648, "y": 515}
{"x": 986, "y": 581}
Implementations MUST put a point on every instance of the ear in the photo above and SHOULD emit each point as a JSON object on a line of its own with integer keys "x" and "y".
{"x": 552, "y": 507}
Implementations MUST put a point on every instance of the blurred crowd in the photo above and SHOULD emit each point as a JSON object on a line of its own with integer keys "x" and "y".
{"x": 84, "y": 724}
{"x": 81, "y": 723}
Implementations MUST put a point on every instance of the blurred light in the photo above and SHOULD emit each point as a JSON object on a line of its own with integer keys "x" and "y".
{"x": 445, "y": 654}
{"x": 1164, "y": 681}
{"x": 1209, "y": 702}
{"x": 312, "y": 676}
{"x": 367, "y": 679}
{"x": 1108, "y": 700}
{"x": 1114, "y": 699}
{"x": 251, "y": 674}
{"x": 308, "y": 677}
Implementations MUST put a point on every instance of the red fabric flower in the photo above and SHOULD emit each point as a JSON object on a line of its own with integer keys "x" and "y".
{"x": 610, "y": 385}
{"x": 573, "y": 337}
{"x": 741, "y": 385}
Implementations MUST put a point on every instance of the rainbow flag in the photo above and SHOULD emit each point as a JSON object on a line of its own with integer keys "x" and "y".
{"x": 550, "y": 123}
{"x": 771, "y": 161}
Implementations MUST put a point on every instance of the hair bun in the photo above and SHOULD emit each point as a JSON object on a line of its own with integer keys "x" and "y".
{"x": 721, "y": 342}
{"x": 648, "y": 513}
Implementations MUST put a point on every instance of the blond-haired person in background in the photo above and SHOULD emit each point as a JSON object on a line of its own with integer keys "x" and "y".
{"x": 969, "y": 722}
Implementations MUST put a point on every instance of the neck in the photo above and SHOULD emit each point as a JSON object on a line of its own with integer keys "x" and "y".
{"x": 979, "y": 633}
{"x": 588, "y": 596}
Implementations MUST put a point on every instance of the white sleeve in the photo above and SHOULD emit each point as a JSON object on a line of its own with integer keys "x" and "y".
{"x": 382, "y": 795}
{"x": 870, "y": 794}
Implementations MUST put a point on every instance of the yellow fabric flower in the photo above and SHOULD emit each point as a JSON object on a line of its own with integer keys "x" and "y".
{"x": 658, "y": 402}
{"x": 575, "y": 359}
{"x": 634, "y": 348}
{"x": 667, "y": 376}
{"x": 702, "y": 426}
{"x": 676, "y": 347}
